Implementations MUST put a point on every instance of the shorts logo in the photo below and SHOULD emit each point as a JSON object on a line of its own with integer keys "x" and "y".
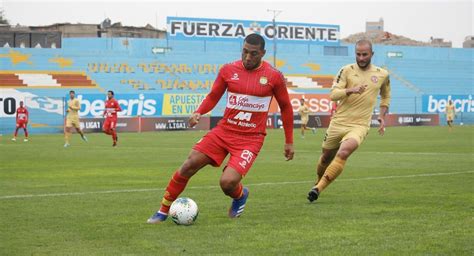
{"x": 247, "y": 157}
{"x": 263, "y": 80}
{"x": 374, "y": 79}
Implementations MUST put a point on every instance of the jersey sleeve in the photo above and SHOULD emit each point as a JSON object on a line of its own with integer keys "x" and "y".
{"x": 338, "y": 91}
{"x": 217, "y": 90}
{"x": 283, "y": 99}
{"x": 76, "y": 105}
{"x": 385, "y": 93}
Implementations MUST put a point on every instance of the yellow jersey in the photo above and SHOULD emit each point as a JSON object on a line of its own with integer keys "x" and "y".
{"x": 450, "y": 110}
{"x": 304, "y": 112}
{"x": 356, "y": 109}
{"x": 74, "y": 106}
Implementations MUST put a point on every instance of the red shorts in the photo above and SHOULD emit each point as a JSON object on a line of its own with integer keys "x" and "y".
{"x": 110, "y": 123}
{"x": 243, "y": 149}
{"x": 21, "y": 125}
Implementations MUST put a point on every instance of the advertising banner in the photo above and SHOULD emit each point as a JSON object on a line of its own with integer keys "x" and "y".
{"x": 317, "y": 103}
{"x": 123, "y": 124}
{"x": 93, "y": 105}
{"x": 236, "y": 30}
{"x": 181, "y": 104}
{"x": 145, "y": 124}
{"x": 438, "y": 103}
{"x": 172, "y": 124}
{"x": 408, "y": 120}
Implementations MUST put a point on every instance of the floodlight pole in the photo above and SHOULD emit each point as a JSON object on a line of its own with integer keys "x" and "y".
{"x": 275, "y": 14}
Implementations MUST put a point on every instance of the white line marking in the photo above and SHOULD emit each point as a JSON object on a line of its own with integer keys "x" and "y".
{"x": 212, "y": 187}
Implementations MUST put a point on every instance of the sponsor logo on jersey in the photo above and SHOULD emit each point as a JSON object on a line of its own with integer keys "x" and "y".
{"x": 248, "y": 102}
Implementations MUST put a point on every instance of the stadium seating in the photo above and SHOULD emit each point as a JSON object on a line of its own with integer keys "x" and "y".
{"x": 190, "y": 66}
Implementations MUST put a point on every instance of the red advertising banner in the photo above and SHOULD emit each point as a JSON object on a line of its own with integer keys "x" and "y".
{"x": 317, "y": 103}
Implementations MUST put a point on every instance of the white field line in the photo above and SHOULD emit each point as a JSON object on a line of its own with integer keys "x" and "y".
{"x": 212, "y": 187}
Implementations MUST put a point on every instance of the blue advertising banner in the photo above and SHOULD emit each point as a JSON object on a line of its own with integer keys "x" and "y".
{"x": 220, "y": 29}
{"x": 93, "y": 105}
{"x": 437, "y": 103}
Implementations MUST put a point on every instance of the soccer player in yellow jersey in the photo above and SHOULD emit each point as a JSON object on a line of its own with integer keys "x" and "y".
{"x": 450, "y": 114}
{"x": 72, "y": 118}
{"x": 355, "y": 88}
{"x": 304, "y": 113}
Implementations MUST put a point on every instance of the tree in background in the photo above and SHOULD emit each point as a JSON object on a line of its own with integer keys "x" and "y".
{"x": 3, "y": 20}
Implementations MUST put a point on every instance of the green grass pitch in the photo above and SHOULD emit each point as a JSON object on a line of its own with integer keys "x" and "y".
{"x": 407, "y": 193}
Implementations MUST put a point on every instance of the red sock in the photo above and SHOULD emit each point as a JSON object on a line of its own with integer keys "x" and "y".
{"x": 237, "y": 193}
{"x": 26, "y": 132}
{"x": 175, "y": 187}
{"x": 114, "y": 135}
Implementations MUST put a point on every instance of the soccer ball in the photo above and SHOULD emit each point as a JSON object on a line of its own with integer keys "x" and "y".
{"x": 184, "y": 211}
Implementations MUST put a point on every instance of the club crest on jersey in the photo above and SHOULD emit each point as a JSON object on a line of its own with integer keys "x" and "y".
{"x": 374, "y": 79}
{"x": 263, "y": 80}
{"x": 235, "y": 76}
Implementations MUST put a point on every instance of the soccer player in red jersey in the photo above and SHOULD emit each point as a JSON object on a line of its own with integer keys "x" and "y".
{"x": 112, "y": 107}
{"x": 21, "y": 121}
{"x": 250, "y": 84}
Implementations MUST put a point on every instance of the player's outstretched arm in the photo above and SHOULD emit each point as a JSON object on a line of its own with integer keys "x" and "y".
{"x": 211, "y": 100}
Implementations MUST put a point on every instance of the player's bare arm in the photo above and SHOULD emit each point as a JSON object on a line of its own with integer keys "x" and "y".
{"x": 289, "y": 151}
{"x": 283, "y": 100}
{"x": 381, "y": 119}
{"x": 194, "y": 119}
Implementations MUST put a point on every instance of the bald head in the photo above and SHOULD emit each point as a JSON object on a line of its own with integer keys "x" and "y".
{"x": 364, "y": 42}
{"x": 364, "y": 53}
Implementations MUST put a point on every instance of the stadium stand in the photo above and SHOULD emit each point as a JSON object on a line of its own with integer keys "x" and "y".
{"x": 157, "y": 66}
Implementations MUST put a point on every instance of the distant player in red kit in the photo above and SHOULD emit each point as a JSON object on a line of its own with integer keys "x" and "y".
{"x": 21, "y": 121}
{"x": 112, "y": 107}
{"x": 250, "y": 84}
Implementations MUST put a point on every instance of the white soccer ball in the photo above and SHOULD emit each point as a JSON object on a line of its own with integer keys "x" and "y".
{"x": 184, "y": 211}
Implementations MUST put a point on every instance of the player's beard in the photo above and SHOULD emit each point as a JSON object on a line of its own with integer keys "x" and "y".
{"x": 364, "y": 65}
